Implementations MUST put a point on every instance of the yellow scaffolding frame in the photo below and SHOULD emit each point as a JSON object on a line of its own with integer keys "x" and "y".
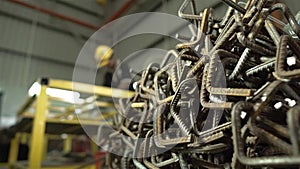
{"x": 40, "y": 118}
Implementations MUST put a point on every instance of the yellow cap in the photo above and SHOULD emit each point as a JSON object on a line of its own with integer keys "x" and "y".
{"x": 101, "y": 2}
{"x": 102, "y": 55}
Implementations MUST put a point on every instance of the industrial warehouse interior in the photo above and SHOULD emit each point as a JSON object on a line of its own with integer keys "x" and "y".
{"x": 122, "y": 84}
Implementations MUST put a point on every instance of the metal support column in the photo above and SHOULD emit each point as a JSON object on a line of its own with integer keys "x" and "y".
{"x": 24, "y": 138}
{"x": 38, "y": 131}
{"x": 94, "y": 146}
{"x": 45, "y": 147}
{"x": 1, "y": 95}
{"x": 14, "y": 150}
{"x": 68, "y": 144}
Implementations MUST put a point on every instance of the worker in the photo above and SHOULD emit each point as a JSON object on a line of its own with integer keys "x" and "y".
{"x": 116, "y": 77}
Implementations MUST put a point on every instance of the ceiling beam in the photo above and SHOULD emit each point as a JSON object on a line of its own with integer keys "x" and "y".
{"x": 79, "y": 8}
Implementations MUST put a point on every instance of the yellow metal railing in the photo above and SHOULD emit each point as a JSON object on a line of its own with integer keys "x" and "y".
{"x": 40, "y": 107}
